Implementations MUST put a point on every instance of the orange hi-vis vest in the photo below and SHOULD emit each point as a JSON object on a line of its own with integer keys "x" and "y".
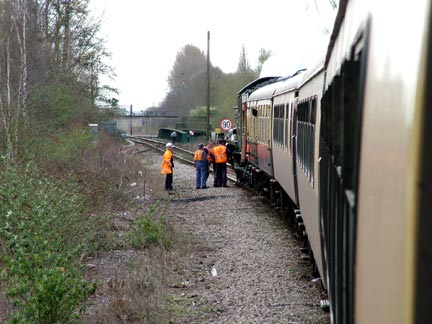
{"x": 198, "y": 155}
{"x": 166, "y": 162}
{"x": 220, "y": 154}
{"x": 210, "y": 154}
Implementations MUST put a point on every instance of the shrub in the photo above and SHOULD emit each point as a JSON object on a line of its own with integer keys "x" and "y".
{"x": 150, "y": 229}
{"x": 41, "y": 240}
{"x": 57, "y": 149}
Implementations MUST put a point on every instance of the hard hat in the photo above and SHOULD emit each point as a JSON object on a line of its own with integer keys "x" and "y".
{"x": 169, "y": 145}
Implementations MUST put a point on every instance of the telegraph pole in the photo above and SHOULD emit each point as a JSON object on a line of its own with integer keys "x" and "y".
{"x": 208, "y": 85}
{"x": 130, "y": 121}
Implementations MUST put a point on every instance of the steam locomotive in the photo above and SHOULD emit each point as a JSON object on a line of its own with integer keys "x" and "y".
{"x": 344, "y": 149}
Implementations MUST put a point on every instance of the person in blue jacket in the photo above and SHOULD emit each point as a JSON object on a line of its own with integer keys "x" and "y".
{"x": 201, "y": 166}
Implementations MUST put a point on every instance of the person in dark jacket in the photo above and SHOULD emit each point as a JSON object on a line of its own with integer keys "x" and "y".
{"x": 201, "y": 165}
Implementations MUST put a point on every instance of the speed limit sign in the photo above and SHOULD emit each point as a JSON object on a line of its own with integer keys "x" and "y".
{"x": 226, "y": 124}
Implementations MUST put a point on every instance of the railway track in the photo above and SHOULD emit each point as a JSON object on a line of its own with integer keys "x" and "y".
{"x": 180, "y": 153}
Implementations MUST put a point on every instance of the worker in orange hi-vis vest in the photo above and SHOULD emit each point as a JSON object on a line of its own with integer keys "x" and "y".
{"x": 168, "y": 166}
{"x": 201, "y": 165}
{"x": 221, "y": 158}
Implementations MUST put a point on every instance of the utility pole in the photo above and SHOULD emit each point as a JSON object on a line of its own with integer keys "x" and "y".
{"x": 208, "y": 85}
{"x": 130, "y": 121}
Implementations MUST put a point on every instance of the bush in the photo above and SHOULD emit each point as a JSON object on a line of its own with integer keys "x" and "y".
{"x": 64, "y": 147}
{"x": 101, "y": 168}
{"x": 150, "y": 229}
{"x": 41, "y": 241}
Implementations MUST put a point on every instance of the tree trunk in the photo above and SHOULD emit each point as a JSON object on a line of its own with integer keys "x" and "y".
{"x": 19, "y": 19}
{"x": 67, "y": 36}
{"x": 23, "y": 87}
{"x": 6, "y": 113}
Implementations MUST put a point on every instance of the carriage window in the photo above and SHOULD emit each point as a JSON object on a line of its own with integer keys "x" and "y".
{"x": 264, "y": 123}
{"x": 306, "y": 117}
{"x": 278, "y": 125}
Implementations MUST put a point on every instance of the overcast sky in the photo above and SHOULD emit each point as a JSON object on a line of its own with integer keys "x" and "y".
{"x": 144, "y": 37}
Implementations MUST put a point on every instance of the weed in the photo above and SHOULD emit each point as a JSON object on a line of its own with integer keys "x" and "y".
{"x": 150, "y": 229}
{"x": 102, "y": 233}
{"x": 133, "y": 265}
{"x": 135, "y": 293}
{"x": 175, "y": 305}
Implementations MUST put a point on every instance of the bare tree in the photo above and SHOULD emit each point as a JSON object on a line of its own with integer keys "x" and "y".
{"x": 243, "y": 65}
{"x": 48, "y": 49}
{"x": 13, "y": 62}
{"x": 8, "y": 119}
{"x": 19, "y": 17}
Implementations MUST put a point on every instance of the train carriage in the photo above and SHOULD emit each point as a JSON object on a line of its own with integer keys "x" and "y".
{"x": 308, "y": 111}
{"x": 374, "y": 117}
{"x": 248, "y": 134}
{"x": 284, "y": 133}
{"x": 259, "y": 121}
{"x": 359, "y": 165}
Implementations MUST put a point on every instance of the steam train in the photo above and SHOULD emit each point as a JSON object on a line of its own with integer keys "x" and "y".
{"x": 345, "y": 149}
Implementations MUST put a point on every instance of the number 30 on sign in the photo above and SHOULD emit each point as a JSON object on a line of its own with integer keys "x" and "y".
{"x": 226, "y": 124}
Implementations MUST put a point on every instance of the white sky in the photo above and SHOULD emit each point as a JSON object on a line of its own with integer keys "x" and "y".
{"x": 144, "y": 37}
